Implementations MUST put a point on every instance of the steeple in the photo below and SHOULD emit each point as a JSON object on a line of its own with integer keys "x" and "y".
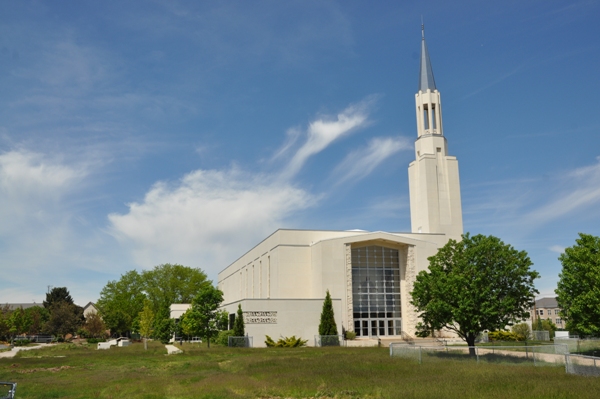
{"x": 426, "y": 80}
{"x": 429, "y": 102}
{"x": 435, "y": 205}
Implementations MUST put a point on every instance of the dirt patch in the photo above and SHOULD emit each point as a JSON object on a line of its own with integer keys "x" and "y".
{"x": 51, "y": 369}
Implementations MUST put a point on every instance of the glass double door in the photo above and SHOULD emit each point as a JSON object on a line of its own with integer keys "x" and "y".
{"x": 377, "y": 327}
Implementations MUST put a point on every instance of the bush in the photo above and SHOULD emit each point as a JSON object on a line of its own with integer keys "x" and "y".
{"x": 522, "y": 331}
{"x": 223, "y": 337}
{"x": 95, "y": 340}
{"x": 502, "y": 336}
{"x": 22, "y": 342}
{"x": 287, "y": 342}
{"x": 350, "y": 335}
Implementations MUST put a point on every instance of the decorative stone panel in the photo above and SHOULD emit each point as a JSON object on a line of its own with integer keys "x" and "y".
{"x": 349, "y": 303}
{"x": 411, "y": 318}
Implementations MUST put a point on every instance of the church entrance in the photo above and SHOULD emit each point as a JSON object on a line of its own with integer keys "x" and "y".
{"x": 376, "y": 291}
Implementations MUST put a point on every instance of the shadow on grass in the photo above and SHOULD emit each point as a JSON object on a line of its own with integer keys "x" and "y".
{"x": 487, "y": 358}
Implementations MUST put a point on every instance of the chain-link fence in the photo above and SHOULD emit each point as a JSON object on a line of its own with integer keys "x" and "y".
{"x": 8, "y": 390}
{"x": 538, "y": 355}
{"x": 239, "y": 342}
{"x": 540, "y": 335}
{"x": 329, "y": 340}
{"x": 586, "y": 347}
{"x": 582, "y": 365}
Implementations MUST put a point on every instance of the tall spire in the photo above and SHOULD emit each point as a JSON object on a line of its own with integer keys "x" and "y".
{"x": 426, "y": 80}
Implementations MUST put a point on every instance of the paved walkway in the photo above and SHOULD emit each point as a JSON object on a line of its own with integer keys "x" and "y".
{"x": 16, "y": 349}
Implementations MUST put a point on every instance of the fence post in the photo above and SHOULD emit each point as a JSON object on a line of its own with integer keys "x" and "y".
{"x": 420, "y": 355}
{"x": 476, "y": 353}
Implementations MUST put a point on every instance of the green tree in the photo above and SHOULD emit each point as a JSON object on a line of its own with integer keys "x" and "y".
{"x": 19, "y": 322}
{"x": 4, "y": 321}
{"x": 164, "y": 326}
{"x": 94, "y": 326}
{"x": 239, "y": 330}
{"x": 65, "y": 318}
{"x": 327, "y": 325}
{"x": 578, "y": 287}
{"x": 202, "y": 316}
{"x": 167, "y": 284}
{"x": 146, "y": 322}
{"x": 38, "y": 317}
{"x": 474, "y": 285}
{"x": 522, "y": 331}
{"x": 121, "y": 301}
{"x": 57, "y": 294}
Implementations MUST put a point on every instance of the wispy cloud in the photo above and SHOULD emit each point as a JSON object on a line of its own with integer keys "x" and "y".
{"x": 579, "y": 190}
{"x": 292, "y": 135}
{"x": 360, "y": 163}
{"x": 557, "y": 248}
{"x": 322, "y": 132}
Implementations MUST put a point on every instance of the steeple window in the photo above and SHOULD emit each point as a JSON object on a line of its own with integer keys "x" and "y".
{"x": 425, "y": 117}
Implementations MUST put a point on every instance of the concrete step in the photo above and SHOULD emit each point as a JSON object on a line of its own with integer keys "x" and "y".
{"x": 173, "y": 350}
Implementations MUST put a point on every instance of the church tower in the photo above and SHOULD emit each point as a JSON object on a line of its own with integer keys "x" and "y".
{"x": 433, "y": 176}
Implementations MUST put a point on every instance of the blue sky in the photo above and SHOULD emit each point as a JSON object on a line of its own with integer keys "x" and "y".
{"x": 139, "y": 133}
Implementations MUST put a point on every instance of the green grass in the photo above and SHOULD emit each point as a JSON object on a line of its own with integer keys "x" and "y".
{"x": 70, "y": 371}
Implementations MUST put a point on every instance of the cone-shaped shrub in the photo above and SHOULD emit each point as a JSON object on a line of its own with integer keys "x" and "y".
{"x": 327, "y": 325}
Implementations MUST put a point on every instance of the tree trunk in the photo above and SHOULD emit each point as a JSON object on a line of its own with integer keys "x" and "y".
{"x": 471, "y": 343}
{"x": 146, "y": 343}
{"x": 208, "y": 340}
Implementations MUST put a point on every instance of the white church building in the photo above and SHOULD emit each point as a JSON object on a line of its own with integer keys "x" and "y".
{"x": 281, "y": 282}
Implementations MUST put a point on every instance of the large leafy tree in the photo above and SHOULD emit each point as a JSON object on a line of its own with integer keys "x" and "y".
{"x": 4, "y": 321}
{"x": 65, "y": 318}
{"x": 473, "y": 285}
{"x": 167, "y": 284}
{"x": 578, "y": 288}
{"x": 164, "y": 326}
{"x": 122, "y": 301}
{"x": 19, "y": 322}
{"x": 202, "y": 318}
{"x": 38, "y": 317}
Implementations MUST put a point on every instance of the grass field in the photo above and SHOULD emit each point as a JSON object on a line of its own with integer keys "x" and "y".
{"x": 69, "y": 371}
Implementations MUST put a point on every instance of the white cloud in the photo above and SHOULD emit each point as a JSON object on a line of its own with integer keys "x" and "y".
{"x": 292, "y": 136}
{"x": 557, "y": 248}
{"x": 322, "y": 132}
{"x": 206, "y": 219}
{"x": 360, "y": 163}
{"x": 31, "y": 183}
{"x": 579, "y": 190}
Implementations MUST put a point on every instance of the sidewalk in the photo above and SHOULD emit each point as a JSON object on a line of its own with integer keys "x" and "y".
{"x": 16, "y": 349}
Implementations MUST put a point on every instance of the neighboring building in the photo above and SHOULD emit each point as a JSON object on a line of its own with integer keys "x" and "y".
{"x": 89, "y": 308}
{"x": 281, "y": 283}
{"x": 548, "y": 309}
